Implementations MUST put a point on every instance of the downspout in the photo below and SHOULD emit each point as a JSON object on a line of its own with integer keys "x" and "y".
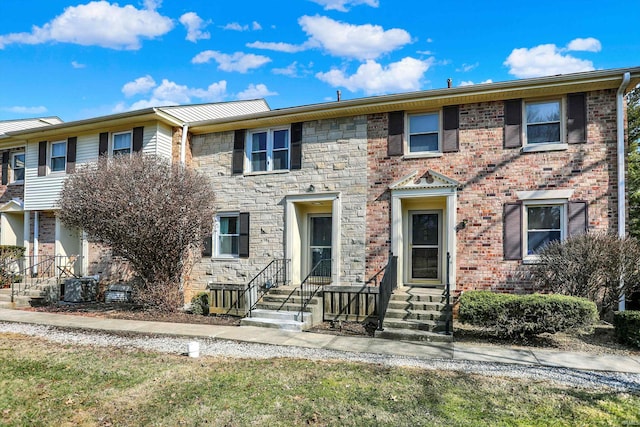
{"x": 183, "y": 144}
{"x": 36, "y": 243}
{"x": 622, "y": 205}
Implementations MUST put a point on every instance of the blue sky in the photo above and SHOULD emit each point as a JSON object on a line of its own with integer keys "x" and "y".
{"x": 80, "y": 59}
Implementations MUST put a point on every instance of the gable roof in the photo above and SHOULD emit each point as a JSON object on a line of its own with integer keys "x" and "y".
{"x": 7, "y": 126}
{"x": 200, "y": 112}
{"x": 429, "y": 99}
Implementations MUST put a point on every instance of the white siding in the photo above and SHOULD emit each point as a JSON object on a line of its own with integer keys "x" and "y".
{"x": 157, "y": 140}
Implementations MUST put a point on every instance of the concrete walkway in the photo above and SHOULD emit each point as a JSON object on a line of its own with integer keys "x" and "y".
{"x": 454, "y": 351}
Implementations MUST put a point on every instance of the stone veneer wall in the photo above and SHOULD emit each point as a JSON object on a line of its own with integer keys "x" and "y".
{"x": 489, "y": 176}
{"x": 334, "y": 159}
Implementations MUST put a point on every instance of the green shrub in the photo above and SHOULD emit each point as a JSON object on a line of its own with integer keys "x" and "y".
{"x": 200, "y": 304}
{"x": 627, "y": 324}
{"x": 526, "y": 315}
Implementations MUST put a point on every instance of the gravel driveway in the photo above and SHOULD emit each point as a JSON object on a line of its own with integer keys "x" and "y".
{"x": 212, "y": 347}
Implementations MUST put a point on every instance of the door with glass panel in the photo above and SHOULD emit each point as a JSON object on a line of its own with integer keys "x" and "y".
{"x": 320, "y": 245}
{"x": 425, "y": 247}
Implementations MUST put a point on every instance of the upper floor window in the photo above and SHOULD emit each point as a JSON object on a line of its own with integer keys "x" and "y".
{"x": 543, "y": 122}
{"x": 424, "y": 133}
{"x": 121, "y": 143}
{"x": 268, "y": 150}
{"x": 58, "y": 158}
{"x": 17, "y": 167}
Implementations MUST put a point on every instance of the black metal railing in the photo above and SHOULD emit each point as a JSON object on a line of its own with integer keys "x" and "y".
{"x": 276, "y": 273}
{"x": 319, "y": 276}
{"x": 388, "y": 284}
{"x": 32, "y": 271}
{"x": 447, "y": 298}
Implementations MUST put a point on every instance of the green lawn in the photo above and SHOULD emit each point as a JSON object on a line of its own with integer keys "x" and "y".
{"x": 51, "y": 384}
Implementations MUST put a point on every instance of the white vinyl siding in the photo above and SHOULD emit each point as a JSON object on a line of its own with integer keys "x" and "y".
{"x": 160, "y": 138}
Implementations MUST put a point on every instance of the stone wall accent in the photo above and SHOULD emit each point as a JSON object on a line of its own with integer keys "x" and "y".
{"x": 176, "y": 143}
{"x": 489, "y": 176}
{"x": 334, "y": 160}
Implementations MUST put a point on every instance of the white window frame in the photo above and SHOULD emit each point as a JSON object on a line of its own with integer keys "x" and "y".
{"x": 562, "y": 203}
{"x": 51, "y": 156}
{"x": 113, "y": 143}
{"x": 544, "y": 146}
{"x": 407, "y": 142}
{"x": 269, "y": 149}
{"x": 217, "y": 234}
{"x": 12, "y": 176}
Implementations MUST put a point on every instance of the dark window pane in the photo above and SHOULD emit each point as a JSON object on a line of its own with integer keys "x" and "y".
{"x": 424, "y": 229}
{"x": 259, "y": 141}
{"x": 228, "y": 245}
{"x": 424, "y": 263}
{"x": 541, "y": 112}
{"x": 423, "y": 123}
{"x": 321, "y": 231}
{"x": 536, "y": 240}
{"x": 229, "y": 225}
{"x": 428, "y": 142}
{"x": 281, "y": 159}
{"x": 544, "y": 217}
{"x": 280, "y": 139}
{"x": 544, "y": 133}
{"x": 59, "y": 150}
{"x": 18, "y": 174}
{"x": 259, "y": 162}
{"x": 122, "y": 142}
{"x": 58, "y": 164}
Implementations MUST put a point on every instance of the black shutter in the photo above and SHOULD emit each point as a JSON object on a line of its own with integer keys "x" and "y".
{"x": 237, "y": 162}
{"x": 42, "y": 158}
{"x": 103, "y": 144}
{"x": 296, "y": 145}
{"x": 512, "y": 239}
{"x": 451, "y": 123}
{"x": 395, "y": 141}
{"x": 138, "y": 136}
{"x": 576, "y": 118}
{"x": 513, "y": 123}
{"x": 243, "y": 244}
{"x": 578, "y": 218}
{"x": 5, "y": 168}
{"x": 207, "y": 245}
{"x": 71, "y": 154}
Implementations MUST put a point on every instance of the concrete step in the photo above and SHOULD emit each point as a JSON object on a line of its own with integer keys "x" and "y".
{"x": 421, "y": 325}
{"x": 413, "y": 335}
{"x": 276, "y": 315}
{"x": 282, "y": 298}
{"x": 418, "y": 297}
{"x": 418, "y": 305}
{"x": 279, "y": 306}
{"x": 284, "y": 325}
{"x": 416, "y": 314}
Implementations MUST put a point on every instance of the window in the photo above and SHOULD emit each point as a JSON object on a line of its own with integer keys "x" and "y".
{"x": 17, "y": 167}
{"x": 121, "y": 143}
{"x": 424, "y": 133}
{"x": 268, "y": 150}
{"x": 543, "y": 122}
{"x": 227, "y": 235}
{"x": 58, "y": 159}
{"x": 544, "y": 224}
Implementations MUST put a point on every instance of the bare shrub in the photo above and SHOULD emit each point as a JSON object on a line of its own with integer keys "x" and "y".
{"x": 149, "y": 211}
{"x": 591, "y": 266}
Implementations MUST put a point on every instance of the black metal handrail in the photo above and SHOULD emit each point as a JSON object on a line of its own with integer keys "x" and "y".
{"x": 447, "y": 297}
{"x": 319, "y": 276}
{"x": 388, "y": 284}
{"x": 276, "y": 273}
{"x": 34, "y": 270}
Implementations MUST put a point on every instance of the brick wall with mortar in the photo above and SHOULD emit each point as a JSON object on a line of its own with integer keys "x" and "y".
{"x": 334, "y": 159}
{"x": 489, "y": 176}
{"x": 176, "y": 144}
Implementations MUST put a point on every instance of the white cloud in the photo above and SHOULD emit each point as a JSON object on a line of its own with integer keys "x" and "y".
{"x": 172, "y": 93}
{"x": 26, "y": 110}
{"x": 290, "y": 70}
{"x": 152, "y": 4}
{"x": 255, "y": 91}
{"x": 467, "y": 67}
{"x": 469, "y": 82}
{"x": 544, "y": 60}
{"x": 97, "y": 23}
{"x": 372, "y": 78}
{"x": 234, "y": 26}
{"x": 277, "y": 46}
{"x": 586, "y": 45}
{"x": 140, "y": 85}
{"x": 77, "y": 65}
{"x": 239, "y": 61}
{"x": 342, "y": 5}
{"x": 255, "y": 26}
{"x": 352, "y": 41}
{"x": 194, "y": 25}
